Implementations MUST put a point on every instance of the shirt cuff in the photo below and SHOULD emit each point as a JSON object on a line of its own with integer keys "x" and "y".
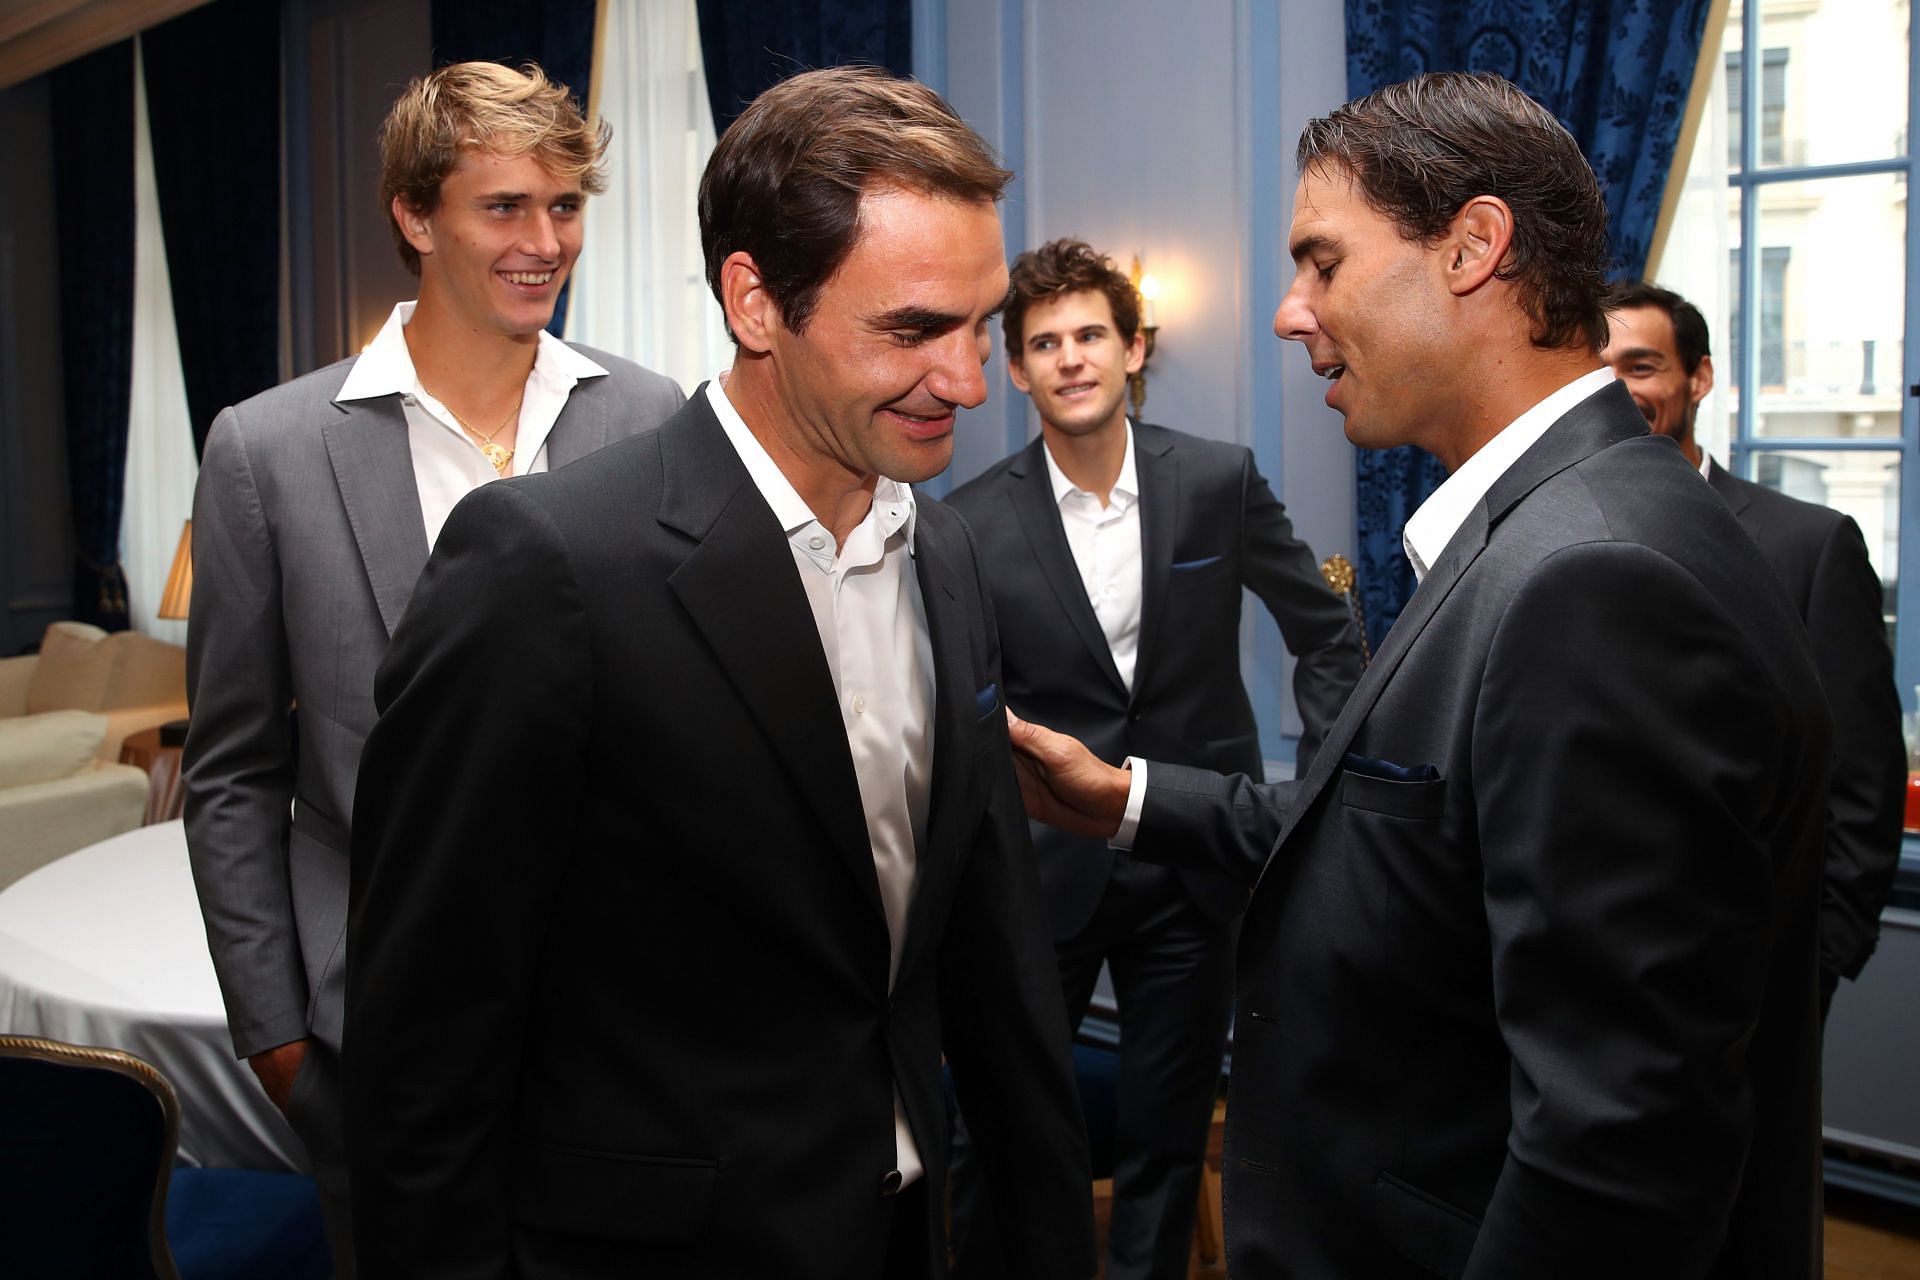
{"x": 1136, "y": 801}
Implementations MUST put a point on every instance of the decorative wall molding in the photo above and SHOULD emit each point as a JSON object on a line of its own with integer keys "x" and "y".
{"x": 39, "y": 35}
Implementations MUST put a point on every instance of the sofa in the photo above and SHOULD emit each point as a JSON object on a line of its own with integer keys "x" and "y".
{"x": 137, "y": 682}
{"x": 63, "y": 716}
{"x": 55, "y": 794}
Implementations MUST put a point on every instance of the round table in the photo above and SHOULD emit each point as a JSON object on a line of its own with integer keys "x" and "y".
{"x": 106, "y": 947}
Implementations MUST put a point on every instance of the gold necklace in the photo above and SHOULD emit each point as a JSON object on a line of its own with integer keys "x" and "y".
{"x": 497, "y": 454}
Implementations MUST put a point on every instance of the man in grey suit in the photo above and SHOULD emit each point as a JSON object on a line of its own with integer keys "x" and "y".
{"x": 317, "y": 505}
{"x": 1527, "y": 982}
{"x": 1659, "y": 347}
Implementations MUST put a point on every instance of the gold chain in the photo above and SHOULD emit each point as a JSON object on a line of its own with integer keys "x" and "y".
{"x": 498, "y": 454}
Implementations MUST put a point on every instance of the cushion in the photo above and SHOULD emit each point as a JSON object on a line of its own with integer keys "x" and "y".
{"x": 145, "y": 672}
{"x": 73, "y": 671}
{"x": 51, "y": 745}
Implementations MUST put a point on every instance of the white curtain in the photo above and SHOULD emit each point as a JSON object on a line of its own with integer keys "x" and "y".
{"x": 641, "y": 290}
{"x": 161, "y": 467}
{"x": 1694, "y": 261}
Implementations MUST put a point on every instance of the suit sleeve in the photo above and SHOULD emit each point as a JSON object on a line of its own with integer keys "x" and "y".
{"x": 1225, "y": 825}
{"x": 469, "y": 792}
{"x": 238, "y": 761}
{"x": 1005, "y": 1032}
{"x": 1316, "y": 625}
{"x": 1627, "y": 795}
{"x": 1868, "y": 796}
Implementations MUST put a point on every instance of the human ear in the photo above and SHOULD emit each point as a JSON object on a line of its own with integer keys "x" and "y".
{"x": 751, "y": 312}
{"x": 1477, "y": 242}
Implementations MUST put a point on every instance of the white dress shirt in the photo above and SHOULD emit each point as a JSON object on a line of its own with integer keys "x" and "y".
{"x": 1105, "y": 542}
{"x": 872, "y": 622}
{"x": 1431, "y": 527}
{"x": 447, "y": 462}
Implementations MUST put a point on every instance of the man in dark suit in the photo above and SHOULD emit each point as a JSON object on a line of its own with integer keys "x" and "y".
{"x": 1659, "y": 347}
{"x": 317, "y": 504}
{"x": 1527, "y": 985}
{"x": 689, "y": 835}
{"x": 1116, "y": 555}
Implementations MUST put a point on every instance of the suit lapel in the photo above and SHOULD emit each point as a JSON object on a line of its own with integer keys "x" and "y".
{"x": 1158, "y": 471}
{"x": 581, "y": 427}
{"x": 373, "y": 466}
{"x": 954, "y": 718}
{"x": 1039, "y": 516}
{"x": 1730, "y": 492}
{"x": 1603, "y": 419}
{"x": 740, "y": 588}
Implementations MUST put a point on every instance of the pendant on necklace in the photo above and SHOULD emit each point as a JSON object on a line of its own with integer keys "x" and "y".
{"x": 499, "y": 455}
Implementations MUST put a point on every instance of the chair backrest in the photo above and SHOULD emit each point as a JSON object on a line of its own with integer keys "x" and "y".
{"x": 87, "y": 1140}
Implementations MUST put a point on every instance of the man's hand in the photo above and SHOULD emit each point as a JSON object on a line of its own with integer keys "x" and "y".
{"x": 1065, "y": 785}
{"x": 277, "y": 1067}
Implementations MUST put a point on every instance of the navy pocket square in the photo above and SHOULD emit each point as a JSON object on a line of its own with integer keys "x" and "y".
{"x": 986, "y": 700}
{"x": 1386, "y": 770}
{"x": 1201, "y": 563}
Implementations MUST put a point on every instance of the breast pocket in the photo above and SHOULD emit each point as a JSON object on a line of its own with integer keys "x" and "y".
{"x": 1422, "y": 800}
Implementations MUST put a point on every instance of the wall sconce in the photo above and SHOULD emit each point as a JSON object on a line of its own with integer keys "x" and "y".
{"x": 1149, "y": 290}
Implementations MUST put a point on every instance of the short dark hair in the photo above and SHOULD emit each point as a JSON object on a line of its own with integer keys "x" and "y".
{"x": 1690, "y": 338}
{"x": 785, "y": 182}
{"x": 1066, "y": 266}
{"x": 1418, "y": 151}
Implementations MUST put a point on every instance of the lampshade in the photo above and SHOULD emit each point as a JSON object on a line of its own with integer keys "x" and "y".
{"x": 179, "y": 590}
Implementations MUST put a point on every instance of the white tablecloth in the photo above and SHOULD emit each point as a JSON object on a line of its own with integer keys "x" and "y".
{"x": 105, "y": 947}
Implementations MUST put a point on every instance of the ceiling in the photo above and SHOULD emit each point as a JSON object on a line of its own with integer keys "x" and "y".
{"x": 38, "y": 35}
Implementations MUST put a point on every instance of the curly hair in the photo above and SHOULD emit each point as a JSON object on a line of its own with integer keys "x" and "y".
{"x": 1066, "y": 266}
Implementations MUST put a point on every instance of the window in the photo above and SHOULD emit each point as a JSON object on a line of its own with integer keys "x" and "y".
{"x": 1801, "y": 261}
{"x": 1773, "y": 107}
{"x": 1773, "y": 314}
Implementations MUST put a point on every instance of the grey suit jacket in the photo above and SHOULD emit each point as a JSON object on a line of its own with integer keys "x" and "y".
{"x": 307, "y": 538}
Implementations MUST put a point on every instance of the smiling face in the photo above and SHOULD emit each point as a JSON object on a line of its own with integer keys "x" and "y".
{"x": 1074, "y": 364}
{"x": 1645, "y": 356}
{"x": 1370, "y": 307}
{"x": 895, "y": 343}
{"x": 497, "y": 250}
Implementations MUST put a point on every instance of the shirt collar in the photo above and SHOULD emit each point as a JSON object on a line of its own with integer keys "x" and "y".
{"x": 1432, "y": 527}
{"x": 1126, "y": 486}
{"x": 385, "y": 368}
{"x": 893, "y": 501}
{"x": 1707, "y": 465}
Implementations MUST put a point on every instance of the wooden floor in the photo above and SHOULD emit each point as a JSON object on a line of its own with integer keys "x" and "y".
{"x": 1867, "y": 1238}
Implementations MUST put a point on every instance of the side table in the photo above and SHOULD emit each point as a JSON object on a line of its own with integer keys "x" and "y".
{"x": 144, "y": 750}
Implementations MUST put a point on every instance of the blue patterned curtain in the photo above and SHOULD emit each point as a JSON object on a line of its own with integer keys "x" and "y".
{"x": 93, "y": 194}
{"x": 1617, "y": 73}
{"x": 555, "y": 34}
{"x": 750, "y": 45}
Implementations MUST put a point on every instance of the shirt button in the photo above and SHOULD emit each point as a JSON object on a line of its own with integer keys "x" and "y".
{"x": 859, "y": 705}
{"x": 890, "y": 1185}
{"x": 816, "y": 542}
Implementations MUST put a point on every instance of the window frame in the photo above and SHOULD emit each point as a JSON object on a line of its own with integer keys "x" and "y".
{"x": 1746, "y": 447}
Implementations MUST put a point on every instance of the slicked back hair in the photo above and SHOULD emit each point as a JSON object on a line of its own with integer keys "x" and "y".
{"x": 1690, "y": 339}
{"x": 1418, "y": 151}
{"x": 1060, "y": 267}
{"x": 482, "y": 106}
{"x": 785, "y": 182}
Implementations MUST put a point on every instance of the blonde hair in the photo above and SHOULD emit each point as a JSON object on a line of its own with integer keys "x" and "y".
{"x": 482, "y": 106}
